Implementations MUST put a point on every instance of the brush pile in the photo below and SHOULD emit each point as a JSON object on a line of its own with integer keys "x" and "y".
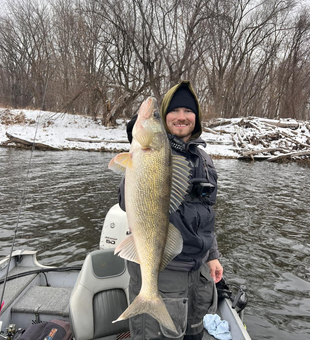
{"x": 262, "y": 139}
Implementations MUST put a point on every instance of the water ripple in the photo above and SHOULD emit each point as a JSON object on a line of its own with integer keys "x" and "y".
{"x": 262, "y": 226}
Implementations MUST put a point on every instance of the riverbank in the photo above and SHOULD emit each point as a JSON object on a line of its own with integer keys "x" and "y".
{"x": 245, "y": 138}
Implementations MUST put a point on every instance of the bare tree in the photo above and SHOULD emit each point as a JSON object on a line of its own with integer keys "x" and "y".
{"x": 244, "y": 37}
{"x": 25, "y": 49}
{"x": 294, "y": 72}
{"x": 103, "y": 57}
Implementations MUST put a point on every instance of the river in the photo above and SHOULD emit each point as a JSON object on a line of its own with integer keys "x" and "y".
{"x": 262, "y": 225}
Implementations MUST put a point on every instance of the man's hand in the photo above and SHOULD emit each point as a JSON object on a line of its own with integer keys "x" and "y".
{"x": 216, "y": 270}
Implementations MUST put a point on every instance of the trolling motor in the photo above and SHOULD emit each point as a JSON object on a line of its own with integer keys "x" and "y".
{"x": 239, "y": 300}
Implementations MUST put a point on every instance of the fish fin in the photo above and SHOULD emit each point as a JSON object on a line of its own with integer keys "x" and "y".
{"x": 154, "y": 307}
{"x": 174, "y": 245}
{"x": 116, "y": 167}
{"x": 180, "y": 181}
{"x": 124, "y": 159}
{"x": 120, "y": 162}
{"x": 127, "y": 250}
{"x": 144, "y": 137}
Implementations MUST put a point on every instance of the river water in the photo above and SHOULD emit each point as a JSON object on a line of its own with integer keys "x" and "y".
{"x": 262, "y": 225}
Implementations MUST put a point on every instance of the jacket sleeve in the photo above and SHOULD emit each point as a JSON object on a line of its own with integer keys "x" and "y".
{"x": 121, "y": 194}
{"x": 213, "y": 252}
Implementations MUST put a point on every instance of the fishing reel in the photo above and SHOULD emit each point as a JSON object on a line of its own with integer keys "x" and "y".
{"x": 11, "y": 333}
{"x": 239, "y": 300}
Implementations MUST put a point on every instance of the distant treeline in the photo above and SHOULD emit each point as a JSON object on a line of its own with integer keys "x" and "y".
{"x": 101, "y": 57}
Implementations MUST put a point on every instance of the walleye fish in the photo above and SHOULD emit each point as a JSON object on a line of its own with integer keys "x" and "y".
{"x": 155, "y": 184}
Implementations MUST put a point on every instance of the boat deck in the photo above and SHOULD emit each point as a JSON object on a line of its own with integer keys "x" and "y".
{"x": 41, "y": 297}
{"x": 29, "y": 302}
{"x": 18, "y": 286}
{"x": 42, "y": 304}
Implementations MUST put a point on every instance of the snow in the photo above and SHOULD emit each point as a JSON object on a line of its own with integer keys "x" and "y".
{"x": 227, "y": 138}
{"x": 54, "y": 129}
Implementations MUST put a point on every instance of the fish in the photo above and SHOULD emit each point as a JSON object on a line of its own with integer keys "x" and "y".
{"x": 156, "y": 183}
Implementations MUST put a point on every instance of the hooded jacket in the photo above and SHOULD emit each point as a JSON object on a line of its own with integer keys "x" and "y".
{"x": 195, "y": 218}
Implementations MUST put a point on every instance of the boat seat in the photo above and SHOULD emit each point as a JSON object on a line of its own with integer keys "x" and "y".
{"x": 99, "y": 297}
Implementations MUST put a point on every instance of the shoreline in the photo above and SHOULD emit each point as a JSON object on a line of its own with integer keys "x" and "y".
{"x": 246, "y": 138}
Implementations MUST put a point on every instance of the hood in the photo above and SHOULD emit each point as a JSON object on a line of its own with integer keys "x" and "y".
{"x": 165, "y": 104}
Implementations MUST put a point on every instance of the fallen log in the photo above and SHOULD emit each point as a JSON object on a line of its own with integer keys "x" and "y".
{"x": 210, "y": 131}
{"x": 282, "y": 124}
{"x": 254, "y": 152}
{"x": 235, "y": 140}
{"x": 212, "y": 124}
{"x": 26, "y": 143}
{"x": 255, "y": 126}
{"x": 294, "y": 140}
{"x": 241, "y": 141}
{"x": 289, "y": 155}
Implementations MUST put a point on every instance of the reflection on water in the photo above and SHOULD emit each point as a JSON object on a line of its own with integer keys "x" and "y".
{"x": 262, "y": 226}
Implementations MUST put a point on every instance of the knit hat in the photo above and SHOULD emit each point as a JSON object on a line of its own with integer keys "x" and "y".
{"x": 183, "y": 97}
{"x": 168, "y": 98}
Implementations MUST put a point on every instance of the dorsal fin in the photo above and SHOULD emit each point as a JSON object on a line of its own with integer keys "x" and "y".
{"x": 180, "y": 181}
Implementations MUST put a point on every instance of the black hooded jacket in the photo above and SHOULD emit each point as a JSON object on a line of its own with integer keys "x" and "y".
{"x": 195, "y": 217}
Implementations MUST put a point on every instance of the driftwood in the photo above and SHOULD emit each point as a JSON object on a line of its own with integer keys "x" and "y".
{"x": 207, "y": 129}
{"x": 95, "y": 140}
{"x": 235, "y": 140}
{"x": 212, "y": 124}
{"x": 28, "y": 144}
{"x": 291, "y": 125}
{"x": 254, "y": 152}
{"x": 289, "y": 155}
{"x": 265, "y": 139}
{"x": 295, "y": 141}
{"x": 240, "y": 139}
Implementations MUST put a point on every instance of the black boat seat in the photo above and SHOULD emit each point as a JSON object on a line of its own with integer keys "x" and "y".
{"x": 99, "y": 297}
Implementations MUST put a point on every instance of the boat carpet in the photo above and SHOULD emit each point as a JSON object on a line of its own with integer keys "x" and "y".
{"x": 45, "y": 300}
{"x": 15, "y": 287}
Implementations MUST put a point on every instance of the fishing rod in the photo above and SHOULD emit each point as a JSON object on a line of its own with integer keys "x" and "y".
{"x": 23, "y": 198}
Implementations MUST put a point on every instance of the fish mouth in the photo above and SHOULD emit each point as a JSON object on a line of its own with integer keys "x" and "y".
{"x": 149, "y": 108}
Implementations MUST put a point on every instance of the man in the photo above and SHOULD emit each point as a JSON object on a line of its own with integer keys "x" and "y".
{"x": 193, "y": 273}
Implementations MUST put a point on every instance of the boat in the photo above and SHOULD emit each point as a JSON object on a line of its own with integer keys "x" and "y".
{"x": 87, "y": 297}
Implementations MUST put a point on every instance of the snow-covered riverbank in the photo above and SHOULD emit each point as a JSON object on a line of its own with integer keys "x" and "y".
{"x": 234, "y": 138}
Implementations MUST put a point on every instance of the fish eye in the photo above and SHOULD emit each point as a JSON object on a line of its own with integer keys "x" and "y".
{"x": 156, "y": 114}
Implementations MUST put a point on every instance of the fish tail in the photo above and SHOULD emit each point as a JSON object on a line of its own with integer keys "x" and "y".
{"x": 154, "y": 307}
